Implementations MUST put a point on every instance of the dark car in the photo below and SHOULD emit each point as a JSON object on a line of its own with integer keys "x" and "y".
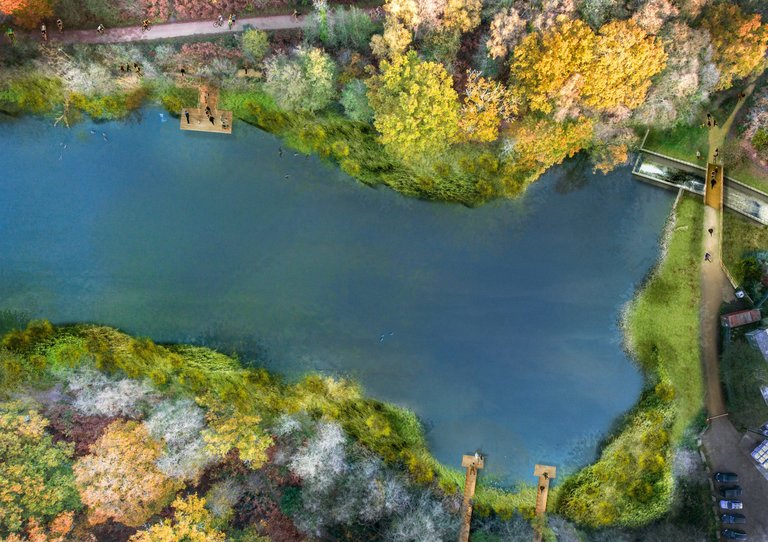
{"x": 726, "y": 477}
{"x": 733, "y": 518}
{"x": 730, "y": 492}
{"x": 733, "y": 534}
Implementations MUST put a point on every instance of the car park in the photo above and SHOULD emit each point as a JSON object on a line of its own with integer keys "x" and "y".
{"x": 733, "y": 534}
{"x": 730, "y": 492}
{"x": 728, "y": 504}
{"x": 726, "y": 477}
{"x": 733, "y": 518}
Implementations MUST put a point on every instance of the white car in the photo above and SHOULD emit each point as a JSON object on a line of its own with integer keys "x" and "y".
{"x": 727, "y": 504}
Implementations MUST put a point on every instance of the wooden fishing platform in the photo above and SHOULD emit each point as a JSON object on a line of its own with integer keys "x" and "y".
{"x": 197, "y": 119}
{"x": 472, "y": 463}
{"x": 545, "y": 474}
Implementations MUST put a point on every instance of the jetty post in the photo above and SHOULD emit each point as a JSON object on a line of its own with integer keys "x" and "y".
{"x": 545, "y": 474}
{"x": 472, "y": 463}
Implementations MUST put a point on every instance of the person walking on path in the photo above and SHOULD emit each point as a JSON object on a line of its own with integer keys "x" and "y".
{"x": 145, "y": 25}
{"x": 60, "y": 25}
{"x": 100, "y": 29}
{"x": 186, "y": 115}
{"x": 44, "y": 32}
{"x": 707, "y": 257}
{"x": 183, "y": 72}
{"x": 717, "y": 153}
{"x": 698, "y": 155}
{"x": 711, "y": 231}
{"x": 712, "y": 183}
{"x": 11, "y": 36}
{"x": 231, "y": 21}
{"x": 212, "y": 119}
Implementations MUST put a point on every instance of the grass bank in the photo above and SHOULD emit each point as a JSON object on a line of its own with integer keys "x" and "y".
{"x": 680, "y": 142}
{"x": 631, "y": 483}
{"x": 740, "y": 237}
{"x": 743, "y": 370}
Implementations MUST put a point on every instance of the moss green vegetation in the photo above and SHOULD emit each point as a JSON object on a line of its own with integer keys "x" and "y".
{"x": 740, "y": 237}
{"x": 680, "y": 142}
{"x": 743, "y": 370}
{"x": 631, "y": 483}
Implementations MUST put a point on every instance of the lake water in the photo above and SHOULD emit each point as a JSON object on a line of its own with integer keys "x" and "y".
{"x": 497, "y": 325}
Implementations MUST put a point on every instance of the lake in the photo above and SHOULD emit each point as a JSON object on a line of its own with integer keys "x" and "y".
{"x": 497, "y": 325}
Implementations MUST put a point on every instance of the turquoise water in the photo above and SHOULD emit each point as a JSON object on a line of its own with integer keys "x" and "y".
{"x": 497, "y": 325}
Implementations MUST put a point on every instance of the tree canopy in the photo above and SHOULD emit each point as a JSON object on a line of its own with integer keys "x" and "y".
{"x": 415, "y": 106}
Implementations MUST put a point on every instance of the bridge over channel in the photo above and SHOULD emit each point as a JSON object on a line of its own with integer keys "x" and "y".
{"x": 674, "y": 174}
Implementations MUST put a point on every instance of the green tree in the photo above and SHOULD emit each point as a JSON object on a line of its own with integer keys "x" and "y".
{"x": 739, "y": 39}
{"x": 36, "y": 480}
{"x": 415, "y": 106}
{"x": 255, "y": 45}
{"x": 304, "y": 82}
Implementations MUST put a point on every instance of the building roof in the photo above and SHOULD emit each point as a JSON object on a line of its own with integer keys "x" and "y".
{"x": 740, "y": 318}
{"x": 760, "y": 454}
{"x": 759, "y": 339}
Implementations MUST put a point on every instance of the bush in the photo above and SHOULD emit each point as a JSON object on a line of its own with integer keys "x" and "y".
{"x": 98, "y": 395}
{"x": 305, "y": 82}
{"x": 32, "y": 94}
{"x": 355, "y": 101}
{"x": 255, "y": 45}
{"x": 760, "y": 140}
{"x": 348, "y": 28}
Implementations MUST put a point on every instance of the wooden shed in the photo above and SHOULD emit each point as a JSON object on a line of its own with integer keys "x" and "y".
{"x": 740, "y": 318}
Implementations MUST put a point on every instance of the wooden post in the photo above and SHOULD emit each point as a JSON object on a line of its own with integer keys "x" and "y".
{"x": 472, "y": 463}
{"x": 545, "y": 474}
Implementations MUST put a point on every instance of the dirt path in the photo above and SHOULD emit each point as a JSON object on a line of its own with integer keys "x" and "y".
{"x": 173, "y": 30}
{"x": 725, "y": 447}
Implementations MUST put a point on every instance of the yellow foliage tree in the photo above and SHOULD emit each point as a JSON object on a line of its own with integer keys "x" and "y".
{"x": 229, "y": 429}
{"x": 462, "y": 15}
{"x": 56, "y": 531}
{"x": 739, "y": 39}
{"x": 544, "y": 63}
{"x": 486, "y": 104}
{"x": 415, "y": 106}
{"x": 394, "y": 41}
{"x": 119, "y": 480}
{"x": 541, "y": 144}
{"x": 191, "y": 523}
{"x": 625, "y": 59}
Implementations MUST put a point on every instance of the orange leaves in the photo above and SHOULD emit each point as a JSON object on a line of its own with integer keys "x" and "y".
{"x": 28, "y": 13}
{"x": 119, "y": 479}
{"x": 740, "y": 41}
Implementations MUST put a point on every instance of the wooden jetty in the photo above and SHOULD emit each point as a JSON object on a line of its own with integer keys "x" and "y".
{"x": 472, "y": 463}
{"x": 198, "y": 119}
{"x": 545, "y": 474}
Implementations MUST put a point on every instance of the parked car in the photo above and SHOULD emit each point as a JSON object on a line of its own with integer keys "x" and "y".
{"x": 730, "y": 492}
{"x": 733, "y": 534}
{"x": 728, "y": 504}
{"x": 726, "y": 477}
{"x": 733, "y": 518}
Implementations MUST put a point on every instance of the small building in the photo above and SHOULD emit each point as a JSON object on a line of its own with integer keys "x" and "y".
{"x": 760, "y": 454}
{"x": 758, "y": 339}
{"x": 740, "y": 318}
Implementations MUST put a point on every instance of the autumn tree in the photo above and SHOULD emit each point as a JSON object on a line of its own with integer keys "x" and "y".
{"x": 230, "y": 429}
{"x": 507, "y": 28}
{"x": 463, "y": 15}
{"x": 653, "y": 14}
{"x": 546, "y": 63}
{"x": 56, "y": 531}
{"x": 191, "y": 522}
{"x": 27, "y": 13}
{"x": 415, "y": 106}
{"x": 625, "y": 60}
{"x": 536, "y": 145}
{"x": 740, "y": 41}
{"x": 486, "y": 104}
{"x": 36, "y": 480}
{"x": 119, "y": 479}
{"x": 393, "y": 41}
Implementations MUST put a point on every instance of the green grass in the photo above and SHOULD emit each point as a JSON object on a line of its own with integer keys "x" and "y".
{"x": 631, "y": 483}
{"x": 743, "y": 370}
{"x": 740, "y": 237}
{"x": 680, "y": 142}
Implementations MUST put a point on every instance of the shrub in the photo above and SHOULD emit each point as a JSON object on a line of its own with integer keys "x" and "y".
{"x": 760, "y": 140}
{"x": 255, "y": 45}
{"x": 99, "y": 395}
{"x": 348, "y": 28}
{"x": 305, "y": 82}
{"x": 178, "y": 424}
{"x": 355, "y": 101}
{"x": 36, "y": 481}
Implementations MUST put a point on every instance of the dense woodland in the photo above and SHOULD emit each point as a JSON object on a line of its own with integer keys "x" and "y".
{"x": 457, "y": 100}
